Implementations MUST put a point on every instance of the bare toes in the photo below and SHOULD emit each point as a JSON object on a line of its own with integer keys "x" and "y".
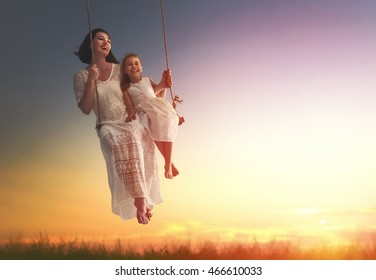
{"x": 174, "y": 170}
{"x": 168, "y": 173}
{"x": 142, "y": 211}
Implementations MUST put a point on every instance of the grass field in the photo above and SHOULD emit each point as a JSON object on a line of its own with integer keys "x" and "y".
{"x": 43, "y": 248}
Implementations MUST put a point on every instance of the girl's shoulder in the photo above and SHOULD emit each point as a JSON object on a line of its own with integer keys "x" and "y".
{"x": 147, "y": 80}
{"x": 116, "y": 66}
{"x": 151, "y": 81}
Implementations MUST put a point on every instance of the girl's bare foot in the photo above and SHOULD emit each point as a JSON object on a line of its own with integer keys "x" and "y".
{"x": 175, "y": 172}
{"x": 143, "y": 210}
{"x": 149, "y": 212}
{"x": 168, "y": 172}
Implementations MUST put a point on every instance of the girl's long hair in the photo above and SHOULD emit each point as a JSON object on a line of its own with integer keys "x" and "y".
{"x": 125, "y": 82}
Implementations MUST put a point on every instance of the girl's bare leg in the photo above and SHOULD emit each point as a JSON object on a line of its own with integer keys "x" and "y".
{"x": 175, "y": 172}
{"x": 143, "y": 210}
{"x": 168, "y": 163}
{"x": 166, "y": 150}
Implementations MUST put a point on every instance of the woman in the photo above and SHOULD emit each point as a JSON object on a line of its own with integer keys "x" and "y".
{"x": 127, "y": 147}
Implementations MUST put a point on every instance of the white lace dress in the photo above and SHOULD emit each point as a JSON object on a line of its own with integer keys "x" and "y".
{"x": 127, "y": 147}
{"x": 163, "y": 119}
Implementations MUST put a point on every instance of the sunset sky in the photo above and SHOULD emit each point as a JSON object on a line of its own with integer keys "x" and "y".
{"x": 280, "y": 109}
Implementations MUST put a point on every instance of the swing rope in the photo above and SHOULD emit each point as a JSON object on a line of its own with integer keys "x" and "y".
{"x": 93, "y": 61}
{"x": 175, "y": 99}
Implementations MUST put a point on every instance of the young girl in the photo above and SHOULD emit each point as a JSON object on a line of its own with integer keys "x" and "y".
{"x": 141, "y": 94}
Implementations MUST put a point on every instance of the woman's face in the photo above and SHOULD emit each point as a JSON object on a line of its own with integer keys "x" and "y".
{"x": 102, "y": 43}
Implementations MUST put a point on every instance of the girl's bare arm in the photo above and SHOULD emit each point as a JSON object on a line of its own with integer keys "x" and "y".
{"x": 166, "y": 82}
{"x": 130, "y": 108}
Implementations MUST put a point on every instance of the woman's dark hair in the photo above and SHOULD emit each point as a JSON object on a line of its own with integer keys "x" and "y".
{"x": 84, "y": 53}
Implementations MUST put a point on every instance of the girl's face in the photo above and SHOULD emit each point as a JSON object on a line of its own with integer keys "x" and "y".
{"x": 133, "y": 68}
{"x": 102, "y": 43}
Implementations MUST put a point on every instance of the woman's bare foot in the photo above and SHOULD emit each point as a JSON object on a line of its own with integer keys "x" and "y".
{"x": 143, "y": 210}
{"x": 168, "y": 172}
{"x": 175, "y": 172}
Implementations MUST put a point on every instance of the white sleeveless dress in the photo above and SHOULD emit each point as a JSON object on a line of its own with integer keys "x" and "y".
{"x": 127, "y": 147}
{"x": 163, "y": 119}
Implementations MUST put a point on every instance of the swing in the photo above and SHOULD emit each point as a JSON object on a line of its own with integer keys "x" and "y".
{"x": 98, "y": 126}
{"x": 175, "y": 98}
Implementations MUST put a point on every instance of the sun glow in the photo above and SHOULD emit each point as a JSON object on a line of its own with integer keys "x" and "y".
{"x": 278, "y": 143}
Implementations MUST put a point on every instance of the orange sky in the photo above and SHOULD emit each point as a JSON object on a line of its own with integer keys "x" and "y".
{"x": 279, "y": 139}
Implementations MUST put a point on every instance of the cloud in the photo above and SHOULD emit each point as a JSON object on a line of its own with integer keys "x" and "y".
{"x": 324, "y": 227}
{"x": 362, "y": 212}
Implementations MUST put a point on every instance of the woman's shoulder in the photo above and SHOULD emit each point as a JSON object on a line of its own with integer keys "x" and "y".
{"x": 116, "y": 73}
{"x": 81, "y": 73}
